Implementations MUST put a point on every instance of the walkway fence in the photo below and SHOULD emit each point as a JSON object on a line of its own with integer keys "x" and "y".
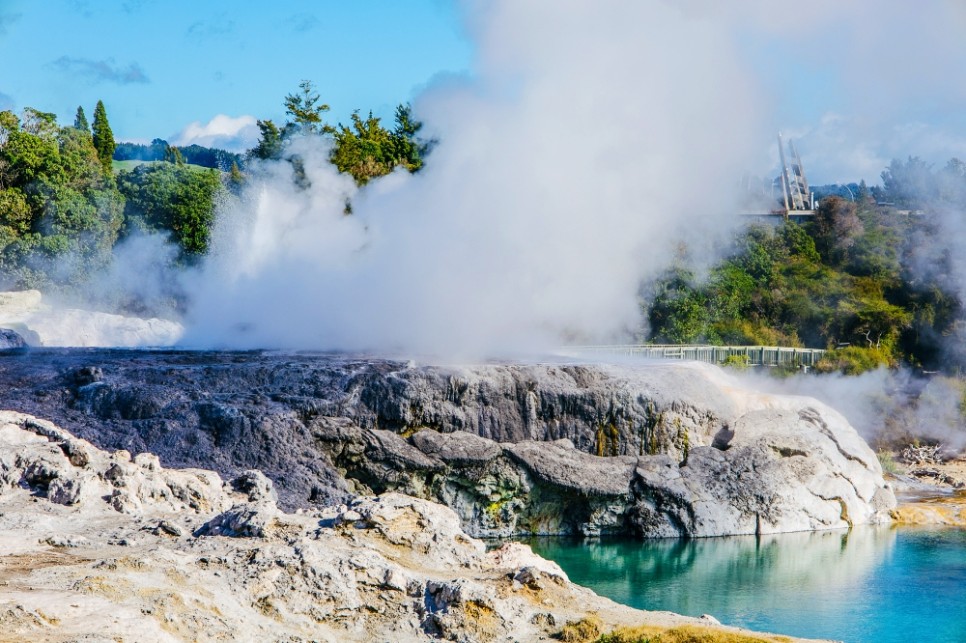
{"x": 750, "y": 355}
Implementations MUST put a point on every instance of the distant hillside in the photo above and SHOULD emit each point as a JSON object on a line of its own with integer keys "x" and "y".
{"x": 159, "y": 150}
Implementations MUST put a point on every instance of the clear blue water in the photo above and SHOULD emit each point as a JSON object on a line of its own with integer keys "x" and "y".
{"x": 869, "y": 585}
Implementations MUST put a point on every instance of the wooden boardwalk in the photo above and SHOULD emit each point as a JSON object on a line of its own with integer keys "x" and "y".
{"x": 750, "y": 355}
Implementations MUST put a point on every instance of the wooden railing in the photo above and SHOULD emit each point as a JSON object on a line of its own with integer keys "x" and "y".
{"x": 751, "y": 355}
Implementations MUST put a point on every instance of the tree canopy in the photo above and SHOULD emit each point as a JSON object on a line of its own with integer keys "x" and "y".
{"x": 364, "y": 148}
{"x": 103, "y": 137}
{"x": 56, "y": 202}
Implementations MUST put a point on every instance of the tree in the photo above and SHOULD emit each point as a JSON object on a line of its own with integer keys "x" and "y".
{"x": 172, "y": 198}
{"x": 103, "y": 137}
{"x": 306, "y": 111}
{"x": 406, "y": 149}
{"x": 235, "y": 179}
{"x": 15, "y": 213}
{"x": 173, "y": 155}
{"x": 79, "y": 160}
{"x": 951, "y": 183}
{"x": 363, "y": 150}
{"x": 269, "y": 144}
{"x": 909, "y": 184}
{"x": 837, "y": 227}
{"x": 80, "y": 121}
{"x": 42, "y": 124}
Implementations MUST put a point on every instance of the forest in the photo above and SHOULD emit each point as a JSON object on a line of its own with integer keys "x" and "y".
{"x": 874, "y": 279}
{"x": 70, "y": 193}
{"x": 872, "y": 276}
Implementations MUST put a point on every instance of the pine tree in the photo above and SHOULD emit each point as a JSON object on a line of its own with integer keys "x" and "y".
{"x": 80, "y": 121}
{"x": 103, "y": 137}
{"x": 305, "y": 108}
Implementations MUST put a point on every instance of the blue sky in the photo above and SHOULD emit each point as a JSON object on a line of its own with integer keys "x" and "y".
{"x": 856, "y": 84}
{"x": 160, "y": 66}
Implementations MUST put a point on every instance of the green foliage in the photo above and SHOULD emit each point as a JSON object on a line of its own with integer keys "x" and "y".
{"x": 173, "y": 198}
{"x": 15, "y": 213}
{"x": 269, "y": 144}
{"x": 103, "y": 137}
{"x": 406, "y": 147}
{"x": 235, "y": 179}
{"x": 29, "y": 157}
{"x": 842, "y": 280}
{"x": 367, "y": 149}
{"x": 80, "y": 121}
{"x": 306, "y": 110}
{"x": 855, "y": 360}
{"x": 836, "y": 228}
{"x": 677, "y": 312}
{"x": 42, "y": 124}
{"x": 59, "y": 214}
{"x": 737, "y": 362}
{"x": 364, "y": 148}
{"x": 888, "y": 462}
{"x": 173, "y": 155}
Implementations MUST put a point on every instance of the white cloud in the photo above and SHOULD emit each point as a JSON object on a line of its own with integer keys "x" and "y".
{"x": 232, "y": 133}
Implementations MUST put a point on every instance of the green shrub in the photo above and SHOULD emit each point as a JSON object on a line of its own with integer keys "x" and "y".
{"x": 854, "y": 360}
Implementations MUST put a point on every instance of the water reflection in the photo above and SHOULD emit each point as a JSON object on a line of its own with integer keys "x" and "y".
{"x": 722, "y": 575}
{"x": 870, "y": 584}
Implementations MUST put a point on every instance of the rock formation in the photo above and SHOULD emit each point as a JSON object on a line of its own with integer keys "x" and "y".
{"x": 11, "y": 340}
{"x": 793, "y": 469}
{"x": 103, "y": 546}
{"x": 654, "y": 450}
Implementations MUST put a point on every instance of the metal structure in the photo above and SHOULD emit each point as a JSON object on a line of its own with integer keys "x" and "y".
{"x": 790, "y": 189}
{"x": 795, "y": 193}
{"x": 751, "y": 355}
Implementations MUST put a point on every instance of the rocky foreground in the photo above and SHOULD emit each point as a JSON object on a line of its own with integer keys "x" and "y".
{"x": 101, "y": 546}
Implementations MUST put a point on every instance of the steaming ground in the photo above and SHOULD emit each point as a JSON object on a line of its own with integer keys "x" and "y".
{"x": 589, "y": 140}
{"x": 563, "y": 173}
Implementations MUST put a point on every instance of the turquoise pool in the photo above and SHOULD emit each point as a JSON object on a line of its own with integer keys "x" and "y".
{"x": 869, "y": 585}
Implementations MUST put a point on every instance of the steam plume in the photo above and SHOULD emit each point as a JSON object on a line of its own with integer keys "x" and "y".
{"x": 587, "y": 138}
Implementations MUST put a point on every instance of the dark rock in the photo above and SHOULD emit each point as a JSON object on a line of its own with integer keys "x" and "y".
{"x": 168, "y": 528}
{"x": 559, "y": 464}
{"x": 88, "y": 375}
{"x": 252, "y": 520}
{"x": 256, "y": 486}
{"x": 11, "y": 340}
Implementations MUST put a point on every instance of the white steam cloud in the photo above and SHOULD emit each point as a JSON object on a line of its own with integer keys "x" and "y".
{"x": 588, "y": 139}
{"x": 888, "y": 408}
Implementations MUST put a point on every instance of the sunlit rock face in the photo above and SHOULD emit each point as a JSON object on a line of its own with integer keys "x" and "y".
{"x": 105, "y": 546}
{"x": 558, "y": 448}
